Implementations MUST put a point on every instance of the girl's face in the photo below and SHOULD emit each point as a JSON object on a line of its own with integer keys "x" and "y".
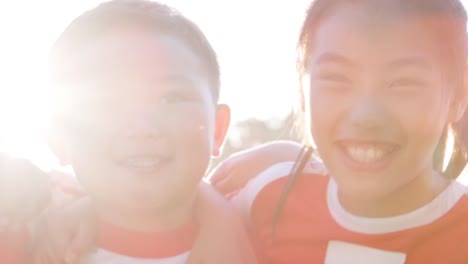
{"x": 379, "y": 99}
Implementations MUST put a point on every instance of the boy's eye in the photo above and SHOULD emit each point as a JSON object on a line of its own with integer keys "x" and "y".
{"x": 173, "y": 98}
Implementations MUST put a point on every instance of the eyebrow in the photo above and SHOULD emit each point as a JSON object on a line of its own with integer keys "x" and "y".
{"x": 331, "y": 57}
{"x": 180, "y": 80}
{"x": 176, "y": 78}
{"x": 411, "y": 61}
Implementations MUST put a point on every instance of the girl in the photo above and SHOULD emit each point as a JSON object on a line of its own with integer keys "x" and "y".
{"x": 385, "y": 79}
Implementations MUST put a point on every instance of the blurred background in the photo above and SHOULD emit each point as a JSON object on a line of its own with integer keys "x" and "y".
{"x": 255, "y": 41}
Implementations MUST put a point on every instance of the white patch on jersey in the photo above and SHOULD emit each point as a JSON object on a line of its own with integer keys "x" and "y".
{"x": 339, "y": 252}
{"x": 246, "y": 197}
{"x": 107, "y": 257}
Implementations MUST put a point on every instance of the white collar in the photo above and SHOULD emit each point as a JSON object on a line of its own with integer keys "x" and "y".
{"x": 421, "y": 216}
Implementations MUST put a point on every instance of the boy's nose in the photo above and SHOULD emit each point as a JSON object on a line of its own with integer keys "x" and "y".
{"x": 146, "y": 123}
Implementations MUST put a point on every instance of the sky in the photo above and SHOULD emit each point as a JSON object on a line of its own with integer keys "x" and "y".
{"x": 255, "y": 41}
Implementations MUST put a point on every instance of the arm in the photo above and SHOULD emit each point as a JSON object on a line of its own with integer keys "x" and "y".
{"x": 222, "y": 235}
{"x": 67, "y": 229}
{"x": 63, "y": 234}
{"x": 234, "y": 172}
{"x": 24, "y": 192}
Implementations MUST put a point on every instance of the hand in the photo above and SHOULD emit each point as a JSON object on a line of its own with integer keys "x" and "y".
{"x": 24, "y": 192}
{"x": 64, "y": 234}
{"x": 233, "y": 173}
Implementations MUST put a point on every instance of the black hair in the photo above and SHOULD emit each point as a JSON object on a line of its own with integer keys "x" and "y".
{"x": 111, "y": 16}
{"x": 459, "y": 159}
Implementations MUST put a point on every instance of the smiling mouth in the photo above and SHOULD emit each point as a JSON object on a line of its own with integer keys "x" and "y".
{"x": 368, "y": 153}
{"x": 146, "y": 163}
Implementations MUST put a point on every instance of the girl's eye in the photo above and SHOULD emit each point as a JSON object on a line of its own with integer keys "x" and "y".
{"x": 333, "y": 77}
{"x": 406, "y": 85}
{"x": 406, "y": 82}
{"x": 331, "y": 82}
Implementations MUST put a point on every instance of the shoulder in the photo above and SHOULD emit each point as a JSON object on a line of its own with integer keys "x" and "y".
{"x": 269, "y": 183}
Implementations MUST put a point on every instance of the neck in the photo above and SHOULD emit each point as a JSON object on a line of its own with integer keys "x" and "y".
{"x": 162, "y": 219}
{"x": 420, "y": 191}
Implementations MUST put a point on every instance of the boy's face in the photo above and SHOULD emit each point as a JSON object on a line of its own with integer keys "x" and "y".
{"x": 147, "y": 123}
{"x": 378, "y": 100}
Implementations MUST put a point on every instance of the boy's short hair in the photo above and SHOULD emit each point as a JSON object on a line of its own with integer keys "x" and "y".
{"x": 111, "y": 16}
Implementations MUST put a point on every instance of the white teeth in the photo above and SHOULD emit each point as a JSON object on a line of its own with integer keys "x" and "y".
{"x": 365, "y": 155}
{"x": 144, "y": 162}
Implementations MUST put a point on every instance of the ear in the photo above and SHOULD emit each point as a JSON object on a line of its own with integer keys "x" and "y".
{"x": 222, "y": 121}
{"x": 460, "y": 101}
{"x": 57, "y": 143}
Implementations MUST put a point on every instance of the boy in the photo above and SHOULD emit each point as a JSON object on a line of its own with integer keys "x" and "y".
{"x": 138, "y": 119}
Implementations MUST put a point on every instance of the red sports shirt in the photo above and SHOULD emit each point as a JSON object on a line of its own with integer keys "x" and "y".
{"x": 13, "y": 248}
{"x": 121, "y": 246}
{"x": 315, "y": 228}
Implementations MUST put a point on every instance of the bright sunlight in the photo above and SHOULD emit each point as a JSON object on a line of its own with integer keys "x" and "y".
{"x": 255, "y": 41}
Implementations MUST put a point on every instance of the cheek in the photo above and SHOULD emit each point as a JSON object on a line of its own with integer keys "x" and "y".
{"x": 424, "y": 117}
{"x": 424, "y": 133}
{"x": 89, "y": 155}
{"x": 320, "y": 115}
{"x": 193, "y": 140}
{"x": 192, "y": 132}
{"x": 194, "y": 122}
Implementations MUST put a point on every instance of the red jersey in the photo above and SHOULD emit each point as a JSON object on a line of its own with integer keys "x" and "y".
{"x": 118, "y": 245}
{"x": 314, "y": 228}
{"x": 13, "y": 248}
